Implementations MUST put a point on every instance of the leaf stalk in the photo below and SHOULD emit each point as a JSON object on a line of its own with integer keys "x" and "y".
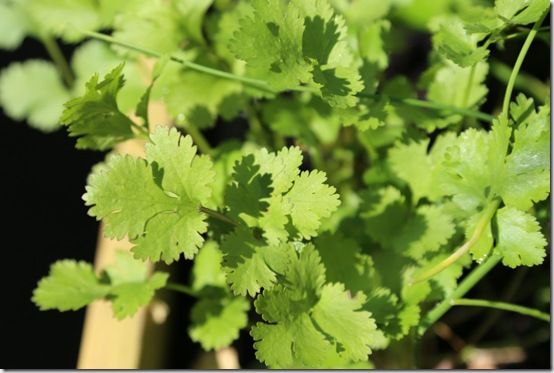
{"x": 485, "y": 219}
{"x": 502, "y": 306}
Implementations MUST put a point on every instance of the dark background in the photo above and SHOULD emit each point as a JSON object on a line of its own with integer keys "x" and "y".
{"x": 46, "y": 220}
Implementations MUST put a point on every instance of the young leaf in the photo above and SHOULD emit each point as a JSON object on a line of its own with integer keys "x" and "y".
{"x": 95, "y": 117}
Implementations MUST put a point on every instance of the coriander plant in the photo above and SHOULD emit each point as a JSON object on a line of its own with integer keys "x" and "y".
{"x": 358, "y": 207}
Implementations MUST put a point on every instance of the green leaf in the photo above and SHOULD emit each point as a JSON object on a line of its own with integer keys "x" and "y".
{"x": 287, "y": 44}
{"x": 216, "y": 321}
{"x": 309, "y": 201}
{"x": 156, "y": 25}
{"x": 381, "y": 209}
{"x": 96, "y": 57}
{"x": 197, "y": 99}
{"x": 66, "y": 18}
{"x": 207, "y": 270}
{"x": 155, "y": 202}
{"x": 425, "y": 232}
{"x": 527, "y": 170}
{"x": 520, "y": 240}
{"x": 124, "y": 194}
{"x": 70, "y": 285}
{"x": 13, "y": 25}
{"x": 249, "y": 263}
{"x": 130, "y": 287}
{"x": 245, "y": 196}
{"x": 453, "y": 41}
{"x": 344, "y": 262}
{"x": 129, "y": 297}
{"x": 33, "y": 90}
{"x": 337, "y": 313}
{"x": 270, "y": 41}
{"x": 95, "y": 117}
{"x": 291, "y": 339}
{"x": 521, "y": 12}
{"x": 411, "y": 163}
{"x": 282, "y": 166}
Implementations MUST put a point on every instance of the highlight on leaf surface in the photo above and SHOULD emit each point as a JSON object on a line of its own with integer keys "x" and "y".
{"x": 155, "y": 202}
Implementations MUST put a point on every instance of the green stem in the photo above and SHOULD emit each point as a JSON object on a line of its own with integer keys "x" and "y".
{"x": 199, "y": 139}
{"x": 180, "y": 288}
{"x": 435, "y": 106}
{"x": 469, "y": 282}
{"x": 483, "y": 222}
{"x": 57, "y": 56}
{"x": 502, "y": 306}
{"x": 519, "y": 62}
{"x": 525, "y": 32}
{"x": 218, "y": 215}
{"x": 468, "y": 86}
{"x": 143, "y": 132}
{"x": 263, "y": 86}
{"x": 256, "y": 83}
{"x": 524, "y": 82}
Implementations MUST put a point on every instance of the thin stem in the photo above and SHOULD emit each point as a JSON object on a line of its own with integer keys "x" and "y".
{"x": 524, "y": 33}
{"x": 468, "y": 86}
{"x": 57, "y": 56}
{"x": 519, "y": 62}
{"x": 435, "y": 106}
{"x": 143, "y": 132}
{"x": 524, "y": 82}
{"x": 264, "y": 86}
{"x": 483, "y": 222}
{"x": 199, "y": 139}
{"x": 502, "y": 306}
{"x": 218, "y": 215}
{"x": 256, "y": 83}
{"x": 467, "y": 284}
{"x": 180, "y": 288}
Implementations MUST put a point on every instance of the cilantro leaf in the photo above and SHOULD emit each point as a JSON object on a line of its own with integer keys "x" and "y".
{"x": 70, "y": 285}
{"x": 155, "y": 202}
{"x": 128, "y": 297}
{"x": 249, "y": 263}
{"x": 293, "y": 309}
{"x": 217, "y": 316}
{"x": 270, "y": 41}
{"x": 310, "y": 200}
{"x": 66, "y": 18}
{"x": 300, "y": 42}
{"x": 95, "y": 117}
{"x": 527, "y": 173}
{"x": 520, "y": 240}
{"x": 216, "y": 321}
{"x": 13, "y": 25}
{"x": 453, "y": 41}
{"x": 33, "y": 90}
{"x": 124, "y": 194}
